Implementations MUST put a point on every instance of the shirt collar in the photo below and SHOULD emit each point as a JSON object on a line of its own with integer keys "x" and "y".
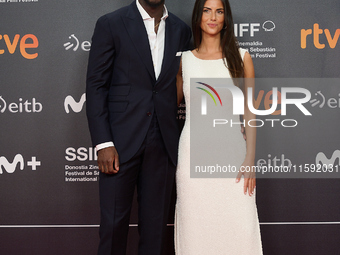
{"x": 146, "y": 16}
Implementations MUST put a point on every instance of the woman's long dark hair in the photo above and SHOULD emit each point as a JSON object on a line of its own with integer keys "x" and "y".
{"x": 230, "y": 49}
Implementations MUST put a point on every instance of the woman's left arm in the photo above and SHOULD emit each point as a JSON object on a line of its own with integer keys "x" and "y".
{"x": 249, "y": 176}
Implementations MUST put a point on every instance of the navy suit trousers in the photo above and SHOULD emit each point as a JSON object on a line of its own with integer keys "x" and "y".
{"x": 153, "y": 173}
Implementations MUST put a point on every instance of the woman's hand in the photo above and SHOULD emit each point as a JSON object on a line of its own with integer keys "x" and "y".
{"x": 249, "y": 177}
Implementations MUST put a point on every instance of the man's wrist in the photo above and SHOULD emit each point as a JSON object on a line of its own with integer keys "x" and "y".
{"x": 104, "y": 145}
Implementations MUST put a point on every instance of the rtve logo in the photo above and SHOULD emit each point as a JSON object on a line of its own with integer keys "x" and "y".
{"x": 316, "y": 32}
{"x": 18, "y": 160}
{"x": 69, "y": 102}
{"x": 28, "y": 41}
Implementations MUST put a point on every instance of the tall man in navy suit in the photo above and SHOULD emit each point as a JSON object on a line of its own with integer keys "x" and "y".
{"x": 131, "y": 110}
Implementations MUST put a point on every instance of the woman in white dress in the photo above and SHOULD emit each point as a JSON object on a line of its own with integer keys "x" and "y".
{"x": 216, "y": 216}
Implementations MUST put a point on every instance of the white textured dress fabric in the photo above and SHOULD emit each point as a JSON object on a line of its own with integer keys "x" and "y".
{"x": 213, "y": 216}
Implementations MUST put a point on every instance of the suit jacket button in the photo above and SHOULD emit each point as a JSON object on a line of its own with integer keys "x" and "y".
{"x": 148, "y": 113}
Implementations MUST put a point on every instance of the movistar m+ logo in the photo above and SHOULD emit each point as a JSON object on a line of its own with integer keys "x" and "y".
{"x": 17, "y": 160}
{"x": 69, "y": 102}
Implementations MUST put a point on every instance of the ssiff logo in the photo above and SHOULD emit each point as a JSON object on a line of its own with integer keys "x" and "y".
{"x": 18, "y": 160}
{"x": 241, "y": 29}
{"x": 75, "y": 106}
{"x": 268, "y": 26}
{"x": 81, "y": 154}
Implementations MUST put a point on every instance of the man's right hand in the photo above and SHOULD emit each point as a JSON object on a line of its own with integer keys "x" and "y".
{"x": 108, "y": 160}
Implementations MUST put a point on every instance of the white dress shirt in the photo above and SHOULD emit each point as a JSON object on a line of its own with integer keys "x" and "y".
{"x": 156, "y": 42}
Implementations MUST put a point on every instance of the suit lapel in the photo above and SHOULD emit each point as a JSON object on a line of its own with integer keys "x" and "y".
{"x": 136, "y": 29}
{"x": 170, "y": 48}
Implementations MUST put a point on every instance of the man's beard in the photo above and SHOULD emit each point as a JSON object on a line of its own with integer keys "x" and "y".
{"x": 154, "y": 3}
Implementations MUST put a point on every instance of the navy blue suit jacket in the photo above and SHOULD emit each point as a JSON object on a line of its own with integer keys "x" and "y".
{"x": 122, "y": 92}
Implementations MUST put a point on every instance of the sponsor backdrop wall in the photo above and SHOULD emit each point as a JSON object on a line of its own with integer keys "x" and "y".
{"x": 48, "y": 174}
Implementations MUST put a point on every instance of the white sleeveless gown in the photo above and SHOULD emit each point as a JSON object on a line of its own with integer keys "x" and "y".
{"x": 213, "y": 216}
